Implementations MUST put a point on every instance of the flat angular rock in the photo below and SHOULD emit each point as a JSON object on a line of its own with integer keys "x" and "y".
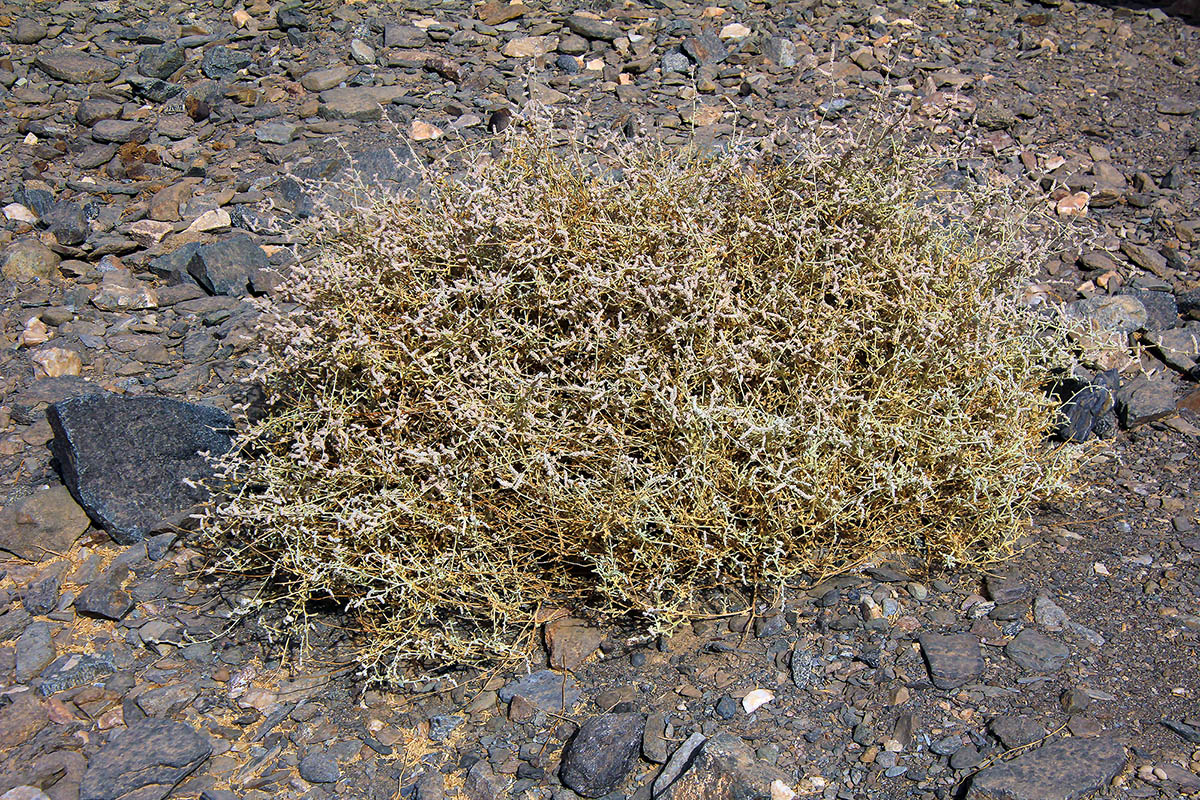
{"x": 1145, "y": 257}
{"x": 1162, "y": 311}
{"x": 47, "y": 521}
{"x": 406, "y": 36}
{"x": 953, "y": 659}
{"x": 144, "y": 762}
{"x": 135, "y": 463}
{"x": 105, "y": 598}
{"x": 707, "y": 48}
{"x": 321, "y": 79}
{"x": 35, "y": 651}
{"x": 1145, "y": 399}
{"x": 160, "y": 61}
{"x": 1060, "y": 770}
{"x": 1017, "y": 731}
{"x": 601, "y": 753}
{"x": 1037, "y": 652}
{"x": 723, "y": 767}
{"x": 593, "y": 28}
{"x": 570, "y": 642}
{"x": 222, "y": 62}
{"x": 225, "y": 267}
{"x": 1178, "y": 347}
{"x": 28, "y": 31}
{"x": 72, "y": 670}
{"x": 1120, "y": 313}
{"x": 545, "y": 689}
{"x": 72, "y": 66}
{"x": 120, "y": 131}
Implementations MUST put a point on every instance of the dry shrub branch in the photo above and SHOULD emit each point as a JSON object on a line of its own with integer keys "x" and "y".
{"x": 549, "y": 380}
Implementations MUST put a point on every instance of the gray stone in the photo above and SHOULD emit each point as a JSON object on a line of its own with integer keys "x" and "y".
{"x": 104, "y": 597}
{"x": 361, "y": 52}
{"x": 66, "y": 220}
{"x": 1017, "y": 731}
{"x": 545, "y": 689}
{"x": 1059, "y": 770}
{"x": 144, "y": 762}
{"x": 325, "y": 183}
{"x": 781, "y": 51}
{"x": 654, "y": 738}
{"x": 601, "y": 753}
{"x": 1146, "y": 258}
{"x": 676, "y": 764}
{"x": 47, "y": 521}
{"x": 360, "y": 103}
{"x": 225, "y": 267}
{"x": 1178, "y": 347}
{"x": 222, "y": 62}
{"x": 40, "y": 596}
{"x": 120, "y": 131}
{"x": 723, "y": 767}
{"x": 482, "y": 783}
{"x": 318, "y": 766}
{"x": 276, "y": 132}
{"x": 1087, "y": 408}
{"x": 953, "y": 659}
{"x": 72, "y": 670}
{"x": 406, "y": 36}
{"x": 321, "y": 79}
{"x": 29, "y": 260}
{"x": 442, "y": 725}
{"x": 1145, "y": 399}
{"x": 675, "y": 61}
{"x": 137, "y": 463}
{"x": 707, "y": 48}
{"x": 1162, "y": 311}
{"x": 28, "y": 31}
{"x": 1119, "y": 313}
{"x": 1037, "y": 652}
{"x": 72, "y": 66}
{"x": 94, "y": 109}
{"x": 35, "y": 651}
{"x": 160, "y": 61}
{"x": 593, "y": 28}
{"x": 1005, "y": 588}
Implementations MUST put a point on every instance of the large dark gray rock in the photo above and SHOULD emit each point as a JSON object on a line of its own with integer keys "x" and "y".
{"x": 601, "y": 753}
{"x": 1060, "y": 770}
{"x": 225, "y": 267}
{"x": 136, "y": 464}
{"x": 145, "y": 762}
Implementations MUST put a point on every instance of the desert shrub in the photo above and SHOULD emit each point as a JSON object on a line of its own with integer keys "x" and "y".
{"x": 616, "y": 376}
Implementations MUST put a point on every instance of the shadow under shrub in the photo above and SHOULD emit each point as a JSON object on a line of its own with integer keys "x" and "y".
{"x": 544, "y": 383}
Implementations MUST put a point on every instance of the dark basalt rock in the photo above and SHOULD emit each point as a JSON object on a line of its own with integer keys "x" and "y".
{"x": 602, "y": 753}
{"x": 135, "y": 464}
{"x": 147, "y": 761}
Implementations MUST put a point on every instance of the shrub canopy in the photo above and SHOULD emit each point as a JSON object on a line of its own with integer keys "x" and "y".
{"x": 547, "y": 381}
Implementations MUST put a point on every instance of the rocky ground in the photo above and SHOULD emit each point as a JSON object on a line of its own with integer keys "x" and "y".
{"x": 149, "y": 149}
